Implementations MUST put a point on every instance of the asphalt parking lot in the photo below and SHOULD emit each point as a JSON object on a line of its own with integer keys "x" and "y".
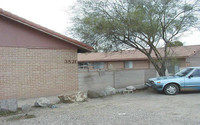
{"x": 142, "y": 108}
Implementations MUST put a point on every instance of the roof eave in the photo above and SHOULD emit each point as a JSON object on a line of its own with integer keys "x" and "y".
{"x": 127, "y": 59}
{"x": 85, "y": 49}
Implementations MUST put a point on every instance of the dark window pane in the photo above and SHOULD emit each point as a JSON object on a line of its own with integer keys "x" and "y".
{"x": 196, "y": 73}
{"x": 98, "y": 65}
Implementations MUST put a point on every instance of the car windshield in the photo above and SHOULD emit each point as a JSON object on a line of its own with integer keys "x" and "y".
{"x": 184, "y": 72}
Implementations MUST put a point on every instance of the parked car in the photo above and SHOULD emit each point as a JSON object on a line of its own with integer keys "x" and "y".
{"x": 188, "y": 78}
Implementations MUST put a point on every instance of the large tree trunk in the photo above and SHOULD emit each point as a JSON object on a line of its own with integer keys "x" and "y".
{"x": 161, "y": 71}
{"x": 159, "y": 66}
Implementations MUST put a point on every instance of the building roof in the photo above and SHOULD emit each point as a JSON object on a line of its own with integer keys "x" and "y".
{"x": 178, "y": 52}
{"x": 23, "y": 21}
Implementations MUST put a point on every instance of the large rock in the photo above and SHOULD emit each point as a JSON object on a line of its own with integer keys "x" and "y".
{"x": 9, "y": 105}
{"x": 95, "y": 94}
{"x": 102, "y": 93}
{"x": 80, "y": 97}
{"x": 42, "y": 102}
{"x": 109, "y": 90}
{"x": 73, "y": 97}
{"x": 130, "y": 88}
{"x": 26, "y": 108}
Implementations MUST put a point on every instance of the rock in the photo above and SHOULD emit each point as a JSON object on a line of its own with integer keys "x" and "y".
{"x": 120, "y": 91}
{"x": 141, "y": 87}
{"x": 109, "y": 90}
{"x": 106, "y": 92}
{"x": 26, "y": 108}
{"x": 9, "y": 105}
{"x": 130, "y": 88}
{"x": 73, "y": 97}
{"x": 52, "y": 106}
{"x": 95, "y": 94}
{"x": 92, "y": 94}
{"x": 102, "y": 93}
{"x": 42, "y": 102}
{"x": 121, "y": 114}
{"x": 81, "y": 97}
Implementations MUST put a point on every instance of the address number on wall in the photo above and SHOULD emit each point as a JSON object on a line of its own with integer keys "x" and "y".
{"x": 71, "y": 61}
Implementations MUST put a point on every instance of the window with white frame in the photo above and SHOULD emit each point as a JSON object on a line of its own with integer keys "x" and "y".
{"x": 98, "y": 65}
{"x": 173, "y": 68}
{"x": 176, "y": 69}
{"x": 128, "y": 64}
{"x": 83, "y": 65}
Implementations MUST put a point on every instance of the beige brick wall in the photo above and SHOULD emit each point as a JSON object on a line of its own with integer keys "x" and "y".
{"x": 182, "y": 62}
{"x": 115, "y": 65}
{"x": 193, "y": 60}
{"x": 141, "y": 65}
{"x": 136, "y": 65}
{"x": 28, "y": 73}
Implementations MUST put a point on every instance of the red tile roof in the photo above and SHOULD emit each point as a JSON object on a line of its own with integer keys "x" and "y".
{"x": 178, "y": 52}
{"x": 18, "y": 19}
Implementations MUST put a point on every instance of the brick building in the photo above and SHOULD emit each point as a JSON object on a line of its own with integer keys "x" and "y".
{"x": 182, "y": 56}
{"x": 35, "y": 61}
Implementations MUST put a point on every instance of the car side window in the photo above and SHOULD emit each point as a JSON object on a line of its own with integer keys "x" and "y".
{"x": 196, "y": 73}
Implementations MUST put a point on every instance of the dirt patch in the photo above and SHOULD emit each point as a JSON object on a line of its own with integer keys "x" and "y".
{"x": 141, "y": 108}
{"x": 9, "y": 113}
{"x": 20, "y": 117}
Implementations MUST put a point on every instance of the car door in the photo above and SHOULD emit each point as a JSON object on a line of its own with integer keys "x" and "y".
{"x": 193, "y": 81}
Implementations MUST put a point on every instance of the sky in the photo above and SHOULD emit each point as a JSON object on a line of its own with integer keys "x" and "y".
{"x": 55, "y": 15}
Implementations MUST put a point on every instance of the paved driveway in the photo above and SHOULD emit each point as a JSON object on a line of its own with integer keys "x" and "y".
{"x": 142, "y": 108}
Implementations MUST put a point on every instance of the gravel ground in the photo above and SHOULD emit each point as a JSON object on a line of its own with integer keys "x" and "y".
{"x": 142, "y": 108}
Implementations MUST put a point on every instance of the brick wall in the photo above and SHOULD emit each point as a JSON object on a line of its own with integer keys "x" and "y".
{"x": 193, "y": 60}
{"x": 115, "y": 65}
{"x": 28, "y": 73}
{"x": 136, "y": 65}
{"x": 141, "y": 65}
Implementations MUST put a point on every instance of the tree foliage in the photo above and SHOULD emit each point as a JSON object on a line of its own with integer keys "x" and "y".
{"x": 110, "y": 25}
{"x": 175, "y": 44}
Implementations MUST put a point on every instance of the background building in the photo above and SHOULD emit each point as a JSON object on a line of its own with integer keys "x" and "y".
{"x": 181, "y": 57}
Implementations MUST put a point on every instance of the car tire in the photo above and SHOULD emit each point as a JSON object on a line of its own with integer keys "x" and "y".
{"x": 171, "y": 89}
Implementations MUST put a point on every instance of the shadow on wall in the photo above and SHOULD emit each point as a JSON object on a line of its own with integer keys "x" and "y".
{"x": 97, "y": 80}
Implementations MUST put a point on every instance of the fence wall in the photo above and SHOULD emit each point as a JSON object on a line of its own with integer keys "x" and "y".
{"x": 97, "y": 80}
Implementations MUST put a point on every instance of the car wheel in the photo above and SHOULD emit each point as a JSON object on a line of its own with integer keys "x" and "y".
{"x": 171, "y": 89}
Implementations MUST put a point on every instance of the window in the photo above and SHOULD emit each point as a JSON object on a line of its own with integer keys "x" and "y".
{"x": 184, "y": 72}
{"x": 98, "y": 65}
{"x": 176, "y": 68}
{"x": 83, "y": 65}
{"x": 172, "y": 68}
{"x": 196, "y": 73}
{"x": 128, "y": 64}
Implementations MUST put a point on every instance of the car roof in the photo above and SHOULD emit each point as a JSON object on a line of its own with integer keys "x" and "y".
{"x": 198, "y": 67}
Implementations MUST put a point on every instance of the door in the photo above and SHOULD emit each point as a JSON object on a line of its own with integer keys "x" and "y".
{"x": 193, "y": 81}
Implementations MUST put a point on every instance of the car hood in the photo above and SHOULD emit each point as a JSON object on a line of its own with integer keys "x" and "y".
{"x": 164, "y": 78}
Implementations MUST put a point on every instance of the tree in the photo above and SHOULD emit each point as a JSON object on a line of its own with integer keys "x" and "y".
{"x": 140, "y": 24}
{"x": 175, "y": 44}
